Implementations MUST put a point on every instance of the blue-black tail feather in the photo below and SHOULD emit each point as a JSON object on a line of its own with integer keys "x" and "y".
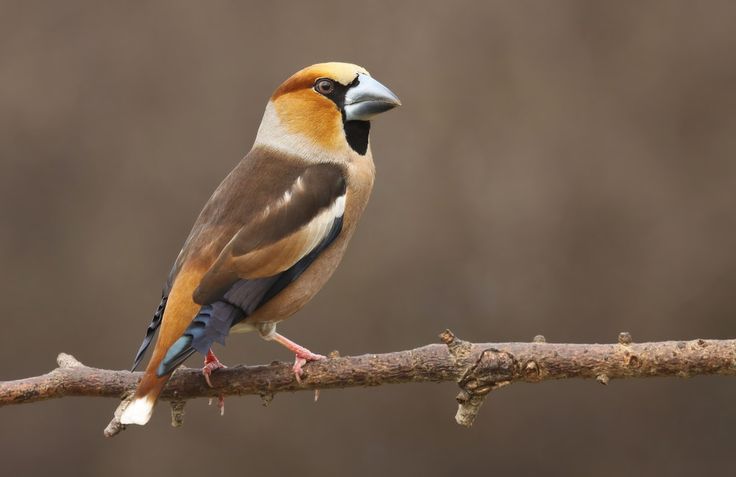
{"x": 177, "y": 354}
{"x": 212, "y": 324}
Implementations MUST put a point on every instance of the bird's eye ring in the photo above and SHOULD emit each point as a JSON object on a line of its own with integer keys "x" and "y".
{"x": 324, "y": 86}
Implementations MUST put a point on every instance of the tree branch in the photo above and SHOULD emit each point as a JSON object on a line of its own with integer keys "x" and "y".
{"x": 478, "y": 368}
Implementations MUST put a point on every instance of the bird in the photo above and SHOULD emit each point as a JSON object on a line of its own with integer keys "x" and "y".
{"x": 275, "y": 229}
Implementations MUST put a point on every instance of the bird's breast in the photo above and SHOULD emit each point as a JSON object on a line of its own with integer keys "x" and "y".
{"x": 360, "y": 175}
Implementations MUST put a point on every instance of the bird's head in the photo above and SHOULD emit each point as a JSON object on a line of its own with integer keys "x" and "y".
{"x": 324, "y": 109}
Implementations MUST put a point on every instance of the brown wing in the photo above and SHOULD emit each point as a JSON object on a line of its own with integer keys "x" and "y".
{"x": 282, "y": 233}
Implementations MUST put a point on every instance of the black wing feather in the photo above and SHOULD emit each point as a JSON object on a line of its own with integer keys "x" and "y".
{"x": 151, "y": 330}
{"x": 158, "y": 315}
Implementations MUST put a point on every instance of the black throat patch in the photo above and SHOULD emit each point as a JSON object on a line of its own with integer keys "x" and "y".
{"x": 356, "y": 132}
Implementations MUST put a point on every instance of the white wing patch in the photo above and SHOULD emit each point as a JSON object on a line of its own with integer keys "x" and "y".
{"x": 279, "y": 256}
{"x": 317, "y": 229}
{"x": 333, "y": 212}
{"x": 339, "y": 206}
{"x": 297, "y": 186}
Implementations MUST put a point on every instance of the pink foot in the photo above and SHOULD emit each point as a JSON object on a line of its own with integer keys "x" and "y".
{"x": 303, "y": 356}
{"x": 211, "y": 363}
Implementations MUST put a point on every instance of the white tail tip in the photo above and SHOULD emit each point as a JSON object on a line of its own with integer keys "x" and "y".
{"x": 139, "y": 411}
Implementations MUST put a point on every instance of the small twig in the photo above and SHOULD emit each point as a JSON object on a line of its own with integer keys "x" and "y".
{"x": 478, "y": 368}
{"x": 177, "y": 413}
{"x": 115, "y": 427}
{"x": 67, "y": 361}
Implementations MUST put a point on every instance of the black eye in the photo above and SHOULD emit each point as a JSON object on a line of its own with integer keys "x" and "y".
{"x": 324, "y": 86}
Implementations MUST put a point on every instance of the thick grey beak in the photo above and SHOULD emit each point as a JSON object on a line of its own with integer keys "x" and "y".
{"x": 368, "y": 98}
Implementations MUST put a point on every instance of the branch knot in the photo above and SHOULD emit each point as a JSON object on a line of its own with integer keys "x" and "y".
{"x": 492, "y": 370}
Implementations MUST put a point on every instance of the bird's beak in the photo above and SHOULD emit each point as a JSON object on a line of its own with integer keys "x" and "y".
{"x": 368, "y": 98}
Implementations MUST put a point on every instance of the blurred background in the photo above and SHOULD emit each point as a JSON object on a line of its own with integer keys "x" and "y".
{"x": 565, "y": 168}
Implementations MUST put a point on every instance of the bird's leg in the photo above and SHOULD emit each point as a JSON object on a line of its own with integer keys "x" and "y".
{"x": 302, "y": 354}
{"x": 211, "y": 363}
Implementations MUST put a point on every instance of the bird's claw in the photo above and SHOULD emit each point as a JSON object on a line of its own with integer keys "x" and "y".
{"x": 209, "y": 367}
{"x": 220, "y": 404}
{"x": 302, "y": 358}
{"x": 211, "y": 363}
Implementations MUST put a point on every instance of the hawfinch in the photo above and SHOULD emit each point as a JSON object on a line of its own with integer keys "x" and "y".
{"x": 275, "y": 229}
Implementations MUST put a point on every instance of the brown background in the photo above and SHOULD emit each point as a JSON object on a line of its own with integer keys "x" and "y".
{"x": 564, "y": 168}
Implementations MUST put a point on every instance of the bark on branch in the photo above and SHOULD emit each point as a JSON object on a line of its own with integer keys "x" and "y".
{"x": 478, "y": 368}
